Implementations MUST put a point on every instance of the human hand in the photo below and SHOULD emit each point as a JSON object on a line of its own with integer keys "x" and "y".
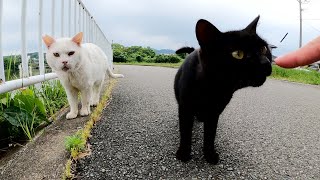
{"x": 307, "y": 54}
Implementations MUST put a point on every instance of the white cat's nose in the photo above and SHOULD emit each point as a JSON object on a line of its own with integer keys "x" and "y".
{"x": 65, "y": 62}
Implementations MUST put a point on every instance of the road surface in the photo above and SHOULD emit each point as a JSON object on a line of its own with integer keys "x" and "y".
{"x": 270, "y": 132}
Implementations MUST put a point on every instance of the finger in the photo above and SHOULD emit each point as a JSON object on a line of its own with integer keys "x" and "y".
{"x": 307, "y": 54}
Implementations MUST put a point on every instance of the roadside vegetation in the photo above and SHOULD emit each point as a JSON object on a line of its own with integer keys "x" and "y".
{"x": 137, "y": 55}
{"x": 26, "y": 111}
{"x": 301, "y": 75}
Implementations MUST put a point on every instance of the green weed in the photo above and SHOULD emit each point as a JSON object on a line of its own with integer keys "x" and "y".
{"x": 75, "y": 142}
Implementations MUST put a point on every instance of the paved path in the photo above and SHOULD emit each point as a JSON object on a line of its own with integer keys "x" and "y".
{"x": 271, "y": 132}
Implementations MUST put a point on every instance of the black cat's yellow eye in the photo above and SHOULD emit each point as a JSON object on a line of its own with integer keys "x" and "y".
{"x": 56, "y": 54}
{"x": 70, "y": 53}
{"x": 238, "y": 54}
{"x": 264, "y": 50}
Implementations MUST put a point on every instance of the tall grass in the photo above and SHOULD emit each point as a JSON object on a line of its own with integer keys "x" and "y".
{"x": 53, "y": 95}
{"x": 11, "y": 72}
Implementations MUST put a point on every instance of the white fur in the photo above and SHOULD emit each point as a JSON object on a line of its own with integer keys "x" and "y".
{"x": 86, "y": 72}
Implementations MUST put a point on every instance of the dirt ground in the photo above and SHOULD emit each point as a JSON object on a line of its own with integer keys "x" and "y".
{"x": 45, "y": 157}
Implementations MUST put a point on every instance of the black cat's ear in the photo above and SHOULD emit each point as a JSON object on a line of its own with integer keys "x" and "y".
{"x": 251, "y": 28}
{"x": 206, "y": 32}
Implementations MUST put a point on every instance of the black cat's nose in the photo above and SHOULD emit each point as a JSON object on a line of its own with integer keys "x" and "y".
{"x": 266, "y": 65}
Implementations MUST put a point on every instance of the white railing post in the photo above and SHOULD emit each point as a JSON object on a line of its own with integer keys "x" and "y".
{"x": 83, "y": 20}
{"x": 88, "y": 25}
{"x": 75, "y": 17}
{"x": 62, "y": 18}
{"x": 69, "y": 17}
{"x": 90, "y": 29}
{"x": 2, "y": 74}
{"x": 79, "y": 18}
{"x": 40, "y": 53}
{"x": 24, "y": 59}
{"x": 94, "y": 32}
{"x": 52, "y": 18}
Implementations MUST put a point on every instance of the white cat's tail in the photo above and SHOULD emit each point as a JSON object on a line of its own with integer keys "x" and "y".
{"x": 114, "y": 75}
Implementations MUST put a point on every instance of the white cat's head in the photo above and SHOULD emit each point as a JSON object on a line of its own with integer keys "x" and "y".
{"x": 63, "y": 53}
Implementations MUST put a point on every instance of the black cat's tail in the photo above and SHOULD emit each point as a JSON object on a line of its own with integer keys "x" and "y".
{"x": 185, "y": 50}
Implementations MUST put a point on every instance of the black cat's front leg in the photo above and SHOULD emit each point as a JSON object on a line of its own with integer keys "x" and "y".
{"x": 210, "y": 128}
{"x": 185, "y": 126}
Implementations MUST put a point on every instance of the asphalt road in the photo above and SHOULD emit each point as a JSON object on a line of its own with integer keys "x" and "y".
{"x": 270, "y": 132}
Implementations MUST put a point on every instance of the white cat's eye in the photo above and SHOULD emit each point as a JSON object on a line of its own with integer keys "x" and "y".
{"x": 238, "y": 54}
{"x": 56, "y": 54}
{"x": 70, "y": 53}
{"x": 264, "y": 50}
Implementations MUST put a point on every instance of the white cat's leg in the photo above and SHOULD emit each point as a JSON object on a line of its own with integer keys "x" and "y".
{"x": 96, "y": 94}
{"x": 85, "y": 101}
{"x": 72, "y": 95}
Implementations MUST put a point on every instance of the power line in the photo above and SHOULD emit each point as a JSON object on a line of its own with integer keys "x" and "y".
{"x": 313, "y": 27}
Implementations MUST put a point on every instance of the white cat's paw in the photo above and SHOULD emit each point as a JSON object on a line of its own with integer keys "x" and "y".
{"x": 84, "y": 112}
{"x": 94, "y": 103}
{"x": 71, "y": 115}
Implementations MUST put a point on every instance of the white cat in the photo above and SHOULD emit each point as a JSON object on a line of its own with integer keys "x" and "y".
{"x": 80, "y": 68}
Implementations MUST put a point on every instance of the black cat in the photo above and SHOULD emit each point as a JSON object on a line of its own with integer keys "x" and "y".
{"x": 206, "y": 81}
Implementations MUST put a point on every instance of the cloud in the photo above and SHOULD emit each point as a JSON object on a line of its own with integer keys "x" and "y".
{"x": 136, "y": 38}
{"x": 167, "y": 23}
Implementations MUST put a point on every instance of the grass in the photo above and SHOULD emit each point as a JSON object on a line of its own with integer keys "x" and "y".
{"x": 75, "y": 142}
{"x": 68, "y": 171}
{"x": 301, "y": 75}
{"x": 28, "y": 127}
{"x": 171, "y": 65}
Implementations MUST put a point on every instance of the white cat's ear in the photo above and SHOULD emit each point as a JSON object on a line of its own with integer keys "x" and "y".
{"x": 48, "y": 40}
{"x": 251, "y": 28}
{"x": 206, "y": 32}
{"x": 78, "y": 38}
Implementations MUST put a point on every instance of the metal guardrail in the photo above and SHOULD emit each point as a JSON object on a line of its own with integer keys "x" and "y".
{"x": 82, "y": 21}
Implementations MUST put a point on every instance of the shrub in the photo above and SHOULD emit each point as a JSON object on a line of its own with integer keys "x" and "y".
{"x": 119, "y": 57}
{"x": 139, "y": 58}
{"x": 162, "y": 58}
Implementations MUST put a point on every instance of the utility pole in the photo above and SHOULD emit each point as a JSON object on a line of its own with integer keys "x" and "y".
{"x": 300, "y": 12}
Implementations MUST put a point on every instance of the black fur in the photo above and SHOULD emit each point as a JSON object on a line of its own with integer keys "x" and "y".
{"x": 206, "y": 81}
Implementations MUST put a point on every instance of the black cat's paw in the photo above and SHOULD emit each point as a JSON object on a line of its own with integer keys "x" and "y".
{"x": 212, "y": 157}
{"x": 183, "y": 155}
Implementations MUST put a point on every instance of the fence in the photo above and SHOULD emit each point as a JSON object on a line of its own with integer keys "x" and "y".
{"x": 74, "y": 18}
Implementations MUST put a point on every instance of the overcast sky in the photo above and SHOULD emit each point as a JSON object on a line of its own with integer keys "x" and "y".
{"x": 170, "y": 24}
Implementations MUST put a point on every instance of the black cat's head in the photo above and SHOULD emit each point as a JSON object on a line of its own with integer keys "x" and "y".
{"x": 242, "y": 56}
